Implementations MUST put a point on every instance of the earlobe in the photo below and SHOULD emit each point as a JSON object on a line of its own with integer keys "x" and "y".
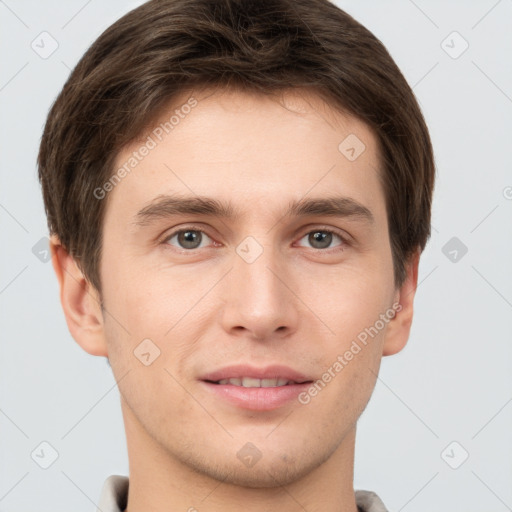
{"x": 399, "y": 328}
{"x": 80, "y": 301}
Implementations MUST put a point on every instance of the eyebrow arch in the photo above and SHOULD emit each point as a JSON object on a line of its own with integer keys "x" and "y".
{"x": 337, "y": 206}
{"x": 165, "y": 206}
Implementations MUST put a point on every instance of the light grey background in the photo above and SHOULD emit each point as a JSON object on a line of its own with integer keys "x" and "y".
{"x": 451, "y": 383}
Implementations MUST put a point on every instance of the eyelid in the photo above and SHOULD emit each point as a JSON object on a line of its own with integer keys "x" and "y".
{"x": 345, "y": 237}
{"x": 326, "y": 227}
{"x": 173, "y": 232}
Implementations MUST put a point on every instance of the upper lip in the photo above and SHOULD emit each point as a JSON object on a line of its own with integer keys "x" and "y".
{"x": 268, "y": 372}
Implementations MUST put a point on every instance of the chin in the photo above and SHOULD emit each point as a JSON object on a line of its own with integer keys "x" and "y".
{"x": 268, "y": 476}
{"x": 270, "y": 471}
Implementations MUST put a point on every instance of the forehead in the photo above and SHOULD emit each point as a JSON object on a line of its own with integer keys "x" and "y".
{"x": 255, "y": 150}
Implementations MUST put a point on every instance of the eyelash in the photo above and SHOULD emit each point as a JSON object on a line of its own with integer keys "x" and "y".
{"x": 340, "y": 248}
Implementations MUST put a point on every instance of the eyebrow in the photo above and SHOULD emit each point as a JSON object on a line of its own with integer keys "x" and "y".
{"x": 165, "y": 206}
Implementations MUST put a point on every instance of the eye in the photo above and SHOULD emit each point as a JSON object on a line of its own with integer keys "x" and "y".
{"x": 187, "y": 238}
{"x": 322, "y": 238}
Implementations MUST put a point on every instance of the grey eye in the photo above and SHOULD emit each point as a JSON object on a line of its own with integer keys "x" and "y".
{"x": 188, "y": 238}
{"x": 321, "y": 239}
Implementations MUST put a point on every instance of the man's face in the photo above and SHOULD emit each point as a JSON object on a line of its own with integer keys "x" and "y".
{"x": 259, "y": 289}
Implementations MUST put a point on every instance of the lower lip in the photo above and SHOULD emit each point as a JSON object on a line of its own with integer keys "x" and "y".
{"x": 257, "y": 399}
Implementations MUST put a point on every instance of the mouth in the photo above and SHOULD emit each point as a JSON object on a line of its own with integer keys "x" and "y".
{"x": 252, "y": 382}
{"x": 265, "y": 389}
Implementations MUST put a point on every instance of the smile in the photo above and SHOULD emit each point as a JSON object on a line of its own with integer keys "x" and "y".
{"x": 250, "y": 382}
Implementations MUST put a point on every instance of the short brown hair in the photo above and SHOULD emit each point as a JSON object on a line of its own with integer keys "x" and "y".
{"x": 164, "y": 47}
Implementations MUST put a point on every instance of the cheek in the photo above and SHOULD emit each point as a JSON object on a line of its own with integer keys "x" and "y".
{"x": 147, "y": 302}
{"x": 350, "y": 299}
{"x": 351, "y": 304}
{"x": 158, "y": 306}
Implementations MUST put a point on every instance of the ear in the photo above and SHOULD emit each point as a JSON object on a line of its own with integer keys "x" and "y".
{"x": 80, "y": 301}
{"x": 398, "y": 329}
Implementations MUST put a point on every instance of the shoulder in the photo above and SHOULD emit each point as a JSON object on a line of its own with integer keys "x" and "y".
{"x": 369, "y": 501}
{"x": 114, "y": 494}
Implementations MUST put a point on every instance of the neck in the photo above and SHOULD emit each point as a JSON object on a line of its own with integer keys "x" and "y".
{"x": 160, "y": 482}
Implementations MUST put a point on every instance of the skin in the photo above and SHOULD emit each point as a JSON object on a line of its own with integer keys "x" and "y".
{"x": 296, "y": 304}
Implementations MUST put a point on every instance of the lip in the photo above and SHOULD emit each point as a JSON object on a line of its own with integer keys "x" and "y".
{"x": 256, "y": 399}
{"x": 269, "y": 372}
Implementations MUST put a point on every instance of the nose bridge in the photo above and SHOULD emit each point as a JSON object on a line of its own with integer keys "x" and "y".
{"x": 257, "y": 298}
{"x": 255, "y": 270}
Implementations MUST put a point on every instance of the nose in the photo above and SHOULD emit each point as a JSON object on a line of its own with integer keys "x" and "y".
{"x": 259, "y": 298}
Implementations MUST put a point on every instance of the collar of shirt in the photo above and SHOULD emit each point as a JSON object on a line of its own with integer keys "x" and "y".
{"x": 114, "y": 496}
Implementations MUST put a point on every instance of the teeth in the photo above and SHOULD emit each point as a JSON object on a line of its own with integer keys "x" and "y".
{"x": 249, "y": 382}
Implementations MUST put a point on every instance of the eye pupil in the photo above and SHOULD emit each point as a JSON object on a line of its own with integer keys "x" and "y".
{"x": 321, "y": 237}
{"x": 188, "y": 238}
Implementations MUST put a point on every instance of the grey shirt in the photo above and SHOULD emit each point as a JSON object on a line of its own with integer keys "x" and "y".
{"x": 114, "y": 496}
